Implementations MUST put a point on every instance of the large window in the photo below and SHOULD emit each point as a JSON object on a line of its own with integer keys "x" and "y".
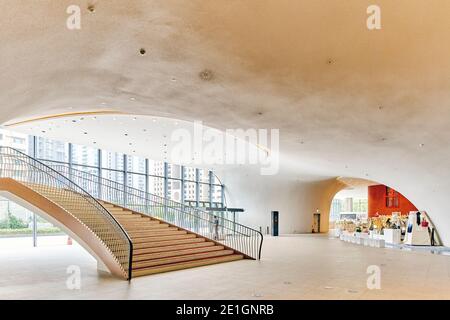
{"x": 178, "y": 183}
{"x": 156, "y": 186}
{"x": 48, "y": 149}
{"x": 191, "y": 186}
{"x": 84, "y": 156}
{"x": 14, "y": 140}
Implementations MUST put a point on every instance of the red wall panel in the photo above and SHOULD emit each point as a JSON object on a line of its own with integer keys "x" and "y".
{"x": 377, "y": 202}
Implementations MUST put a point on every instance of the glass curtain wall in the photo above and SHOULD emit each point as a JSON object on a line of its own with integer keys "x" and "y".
{"x": 191, "y": 186}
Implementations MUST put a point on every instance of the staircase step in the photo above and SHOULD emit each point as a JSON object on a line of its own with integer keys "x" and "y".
{"x": 158, "y": 238}
{"x": 175, "y": 253}
{"x": 186, "y": 265}
{"x": 125, "y": 213}
{"x": 152, "y": 230}
{"x": 167, "y": 243}
{"x": 189, "y": 257}
{"x": 114, "y": 208}
{"x": 144, "y": 227}
{"x": 157, "y": 233}
{"x": 140, "y": 223}
{"x": 201, "y": 244}
{"x": 131, "y": 219}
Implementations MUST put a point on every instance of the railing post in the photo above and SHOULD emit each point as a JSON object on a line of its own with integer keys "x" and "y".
{"x": 125, "y": 179}
{"x": 34, "y": 230}
{"x": 99, "y": 168}
{"x": 147, "y": 182}
{"x": 166, "y": 187}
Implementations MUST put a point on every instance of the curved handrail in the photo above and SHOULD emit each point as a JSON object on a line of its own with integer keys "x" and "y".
{"x": 17, "y": 165}
{"x": 247, "y": 240}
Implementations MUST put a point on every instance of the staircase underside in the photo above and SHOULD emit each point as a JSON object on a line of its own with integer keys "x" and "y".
{"x": 157, "y": 246}
{"x": 162, "y": 247}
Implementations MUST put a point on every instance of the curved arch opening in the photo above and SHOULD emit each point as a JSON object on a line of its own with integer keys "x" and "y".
{"x": 365, "y": 208}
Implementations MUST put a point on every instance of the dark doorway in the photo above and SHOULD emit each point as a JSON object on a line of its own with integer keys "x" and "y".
{"x": 316, "y": 223}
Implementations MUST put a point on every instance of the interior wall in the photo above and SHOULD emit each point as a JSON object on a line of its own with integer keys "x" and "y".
{"x": 377, "y": 202}
{"x": 295, "y": 200}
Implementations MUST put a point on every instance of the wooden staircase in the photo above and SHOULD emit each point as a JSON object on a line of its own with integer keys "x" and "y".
{"x": 161, "y": 247}
{"x": 131, "y": 243}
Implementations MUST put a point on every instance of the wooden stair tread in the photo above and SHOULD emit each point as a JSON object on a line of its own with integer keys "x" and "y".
{"x": 166, "y": 243}
{"x": 163, "y": 238}
{"x": 174, "y": 253}
{"x": 144, "y": 223}
{"x": 147, "y": 228}
{"x": 173, "y": 247}
{"x": 156, "y": 233}
{"x": 186, "y": 265}
{"x": 153, "y": 230}
{"x": 184, "y": 258}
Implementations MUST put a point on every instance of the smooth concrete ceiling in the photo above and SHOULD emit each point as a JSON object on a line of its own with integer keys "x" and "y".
{"x": 156, "y": 138}
{"x": 348, "y": 101}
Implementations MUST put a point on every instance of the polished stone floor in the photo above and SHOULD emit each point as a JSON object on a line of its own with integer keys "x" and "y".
{"x": 293, "y": 267}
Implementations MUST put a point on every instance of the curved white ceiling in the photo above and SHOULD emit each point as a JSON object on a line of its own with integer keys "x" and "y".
{"x": 348, "y": 101}
{"x": 158, "y": 138}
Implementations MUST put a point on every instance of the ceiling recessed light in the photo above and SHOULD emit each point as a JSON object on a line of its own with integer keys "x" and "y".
{"x": 206, "y": 75}
{"x": 154, "y": 120}
{"x": 126, "y": 134}
{"x": 142, "y": 51}
{"x": 85, "y": 132}
{"x": 91, "y": 8}
{"x": 133, "y": 99}
{"x": 422, "y": 145}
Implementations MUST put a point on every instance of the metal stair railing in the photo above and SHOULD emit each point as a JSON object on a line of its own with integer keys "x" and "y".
{"x": 229, "y": 233}
{"x": 58, "y": 188}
